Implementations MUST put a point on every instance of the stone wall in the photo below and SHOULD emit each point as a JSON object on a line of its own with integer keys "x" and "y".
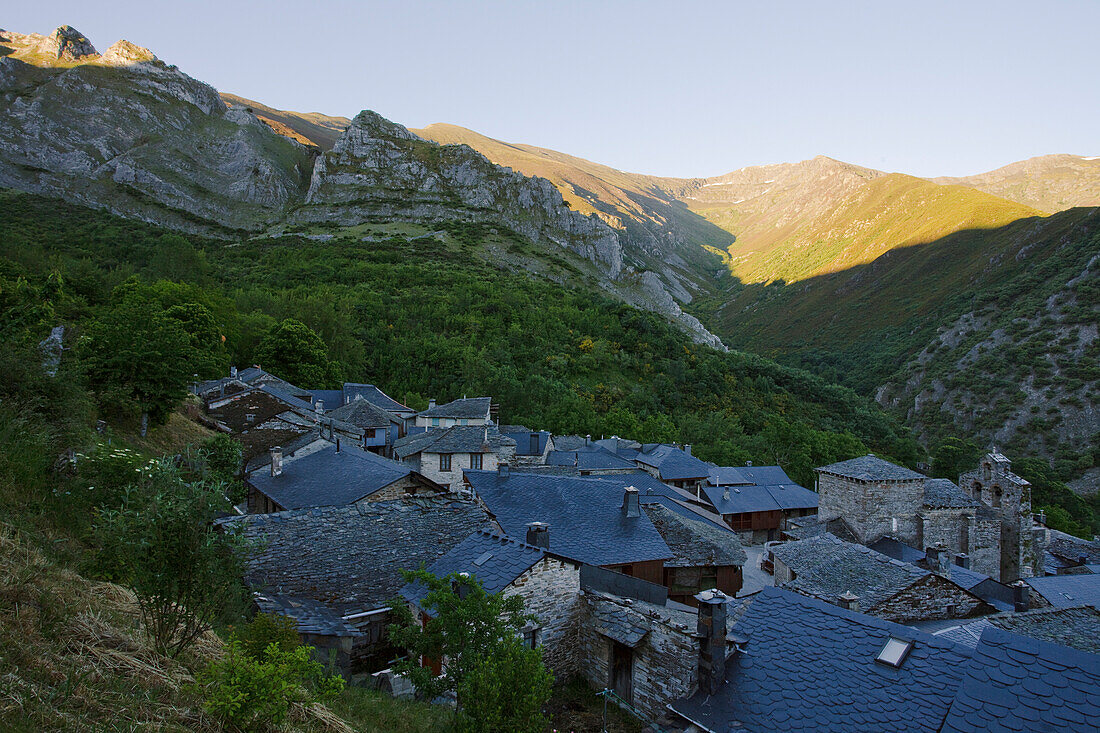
{"x": 873, "y": 509}
{"x": 949, "y": 527}
{"x": 551, "y": 591}
{"x": 407, "y": 486}
{"x": 665, "y": 662}
{"x": 930, "y": 598}
{"x": 429, "y": 467}
{"x": 985, "y": 546}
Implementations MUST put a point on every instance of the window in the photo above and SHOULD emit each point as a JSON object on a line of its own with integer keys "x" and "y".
{"x": 435, "y": 422}
{"x": 894, "y": 652}
{"x": 534, "y": 444}
{"x": 445, "y": 462}
{"x": 531, "y": 636}
{"x": 740, "y": 521}
{"x": 475, "y": 461}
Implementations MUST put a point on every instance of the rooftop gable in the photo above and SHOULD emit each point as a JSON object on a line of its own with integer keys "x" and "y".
{"x": 592, "y": 460}
{"x": 870, "y": 468}
{"x": 585, "y": 516}
{"x": 810, "y": 666}
{"x": 466, "y": 407}
{"x": 455, "y": 439}
{"x": 672, "y": 463}
{"x": 361, "y": 413}
{"x": 694, "y": 542}
{"x": 942, "y": 493}
{"x": 372, "y": 394}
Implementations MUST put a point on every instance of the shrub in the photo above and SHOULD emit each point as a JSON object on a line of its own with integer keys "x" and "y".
{"x": 506, "y": 691}
{"x": 252, "y": 693}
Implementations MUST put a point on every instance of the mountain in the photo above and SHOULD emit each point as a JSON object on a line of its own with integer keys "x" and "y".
{"x": 1049, "y": 182}
{"x": 127, "y": 132}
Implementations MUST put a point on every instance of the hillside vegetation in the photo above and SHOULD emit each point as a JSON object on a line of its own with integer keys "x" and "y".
{"x": 1048, "y": 183}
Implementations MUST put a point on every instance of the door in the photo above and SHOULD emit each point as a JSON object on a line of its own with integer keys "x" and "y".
{"x": 622, "y": 670}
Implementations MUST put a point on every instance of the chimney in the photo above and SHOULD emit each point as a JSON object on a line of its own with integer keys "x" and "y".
{"x": 431, "y": 403}
{"x": 277, "y": 461}
{"x": 587, "y": 439}
{"x": 320, "y": 407}
{"x": 233, "y": 372}
{"x": 687, "y": 448}
{"x": 848, "y": 600}
{"x": 504, "y": 471}
{"x": 538, "y": 535}
{"x": 461, "y": 585}
{"x": 1021, "y": 596}
{"x": 1042, "y": 518}
{"x": 337, "y": 443}
{"x": 712, "y": 636}
{"x": 1082, "y": 560}
{"x": 963, "y": 560}
{"x": 726, "y": 494}
{"x": 631, "y": 505}
{"x": 939, "y": 560}
{"x": 748, "y": 464}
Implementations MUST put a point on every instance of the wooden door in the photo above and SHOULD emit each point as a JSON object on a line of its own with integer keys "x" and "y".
{"x": 622, "y": 670}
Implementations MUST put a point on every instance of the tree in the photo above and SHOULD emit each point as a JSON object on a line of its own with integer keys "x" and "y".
{"x": 135, "y": 356}
{"x": 209, "y": 359}
{"x": 293, "y": 351}
{"x": 500, "y": 683}
{"x": 954, "y": 457}
{"x": 160, "y": 543}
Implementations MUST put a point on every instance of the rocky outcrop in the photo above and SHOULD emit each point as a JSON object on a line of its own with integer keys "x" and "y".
{"x": 127, "y": 132}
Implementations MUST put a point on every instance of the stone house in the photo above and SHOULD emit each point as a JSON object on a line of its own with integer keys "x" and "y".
{"x": 331, "y": 476}
{"x": 347, "y": 560}
{"x": 442, "y": 454}
{"x": 381, "y": 429}
{"x": 878, "y": 499}
{"x": 330, "y": 399}
{"x": 757, "y": 501}
{"x": 549, "y": 585}
{"x": 465, "y": 411}
{"x": 860, "y": 579}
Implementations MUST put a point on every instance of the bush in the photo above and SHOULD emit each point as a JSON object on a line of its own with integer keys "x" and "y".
{"x": 506, "y": 691}
{"x": 160, "y": 543}
{"x": 251, "y": 693}
{"x": 267, "y": 629}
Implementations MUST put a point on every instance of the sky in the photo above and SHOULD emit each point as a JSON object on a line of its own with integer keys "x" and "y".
{"x": 677, "y": 88}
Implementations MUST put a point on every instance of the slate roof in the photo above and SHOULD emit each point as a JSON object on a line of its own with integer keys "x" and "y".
{"x": 756, "y": 498}
{"x": 589, "y": 460}
{"x": 363, "y": 414}
{"x": 1015, "y": 683}
{"x": 310, "y": 617}
{"x": 455, "y": 439}
{"x": 329, "y": 478}
{"x": 1071, "y": 548}
{"x": 1068, "y": 590}
{"x": 570, "y": 442}
{"x": 331, "y": 398}
{"x": 726, "y": 476}
{"x": 897, "y": 549}
{"x": 1076, "y": 627}
{"x": 803, "y": 528}
{"x": 522, "y": 436}
{"x": 495, "y": 560}
{"x": 584, "y": 513}
{"x": 825, "y": 567}
{"x": 258, "y": 377}
{"x": 942, "y": 493}
{"x": 466, "y": 407}
{"x": 259, "y": 443}
{"x": 350, "y": 557}
{"x": 810, "y": 666}
{"x": 684, "y": 504}
{"x": 353, "y": 391}
{"x": 673, "y": 464}
{"x": 629, "y": 624}
{"x": 695, "y": 543}
{"x": 871, "y": 468}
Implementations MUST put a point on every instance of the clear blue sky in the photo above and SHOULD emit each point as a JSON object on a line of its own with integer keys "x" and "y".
{"x": 677, "y": 88}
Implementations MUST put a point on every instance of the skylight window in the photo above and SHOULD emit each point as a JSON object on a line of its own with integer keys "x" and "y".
{"x": 894, "y": 652}
{"x": 482, "y": 559}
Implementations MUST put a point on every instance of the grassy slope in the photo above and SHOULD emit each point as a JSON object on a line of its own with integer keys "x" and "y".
{"x": 308, "y": 128}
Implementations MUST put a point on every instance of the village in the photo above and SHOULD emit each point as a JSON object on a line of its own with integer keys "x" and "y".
{"x": 689, "y": 593}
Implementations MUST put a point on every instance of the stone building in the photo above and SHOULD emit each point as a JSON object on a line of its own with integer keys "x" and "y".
{"x": 381, "y": 428}
{"x": 705, "y": 556}
{"x": 442, "y": 454}
{"x": 532, "y": 446}
{"x": 860, "y": 579}
{"x": 549, "y": 585}
{"x": 988, "y": 519}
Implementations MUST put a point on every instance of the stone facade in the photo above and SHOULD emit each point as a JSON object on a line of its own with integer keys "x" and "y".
{"x": 408, "y": 486}
{"x": 985, "y": 543}
{"x": 551, "y": 591}
{"x": 429, "y": 465}
{"x": 1009, "y": 498}
{"x": 873, "y": 509}
{"x": 929, "y": 599}
{"x": 947, "y": 527}
{"x": 663, "y": 664}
